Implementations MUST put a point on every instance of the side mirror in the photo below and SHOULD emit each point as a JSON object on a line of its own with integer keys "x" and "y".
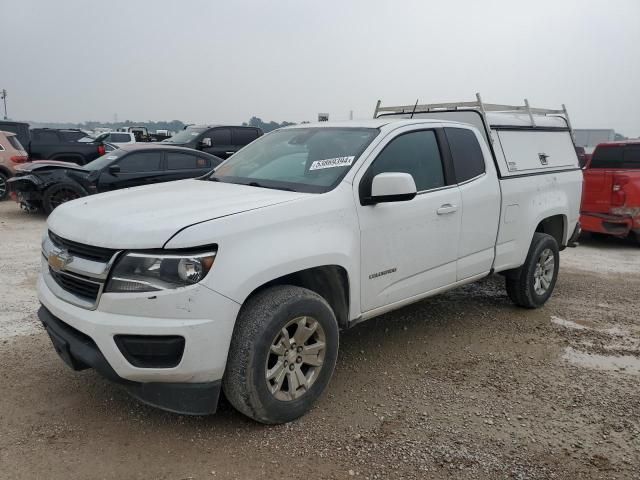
{"x": 114, "y": 169}
{"x": 205, "y": 142}
{"x": 391, "y": 187}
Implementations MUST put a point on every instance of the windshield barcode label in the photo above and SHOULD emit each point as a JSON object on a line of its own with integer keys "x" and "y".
{"x": 332, "y": 163}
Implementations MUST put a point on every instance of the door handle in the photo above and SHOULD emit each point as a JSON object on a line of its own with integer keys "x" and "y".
{"x": 447, "y": 208}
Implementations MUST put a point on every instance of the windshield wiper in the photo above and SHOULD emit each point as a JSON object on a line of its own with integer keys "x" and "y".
{"x": 256, "y": 184}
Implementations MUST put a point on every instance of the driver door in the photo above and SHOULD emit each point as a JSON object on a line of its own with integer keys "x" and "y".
{"x": 409, "y": 247}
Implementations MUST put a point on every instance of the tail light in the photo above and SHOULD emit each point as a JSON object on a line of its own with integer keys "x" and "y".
{"x": 101, "y": 150}
{"x": 19, "y": 158}
{"x": 618, "y": 196}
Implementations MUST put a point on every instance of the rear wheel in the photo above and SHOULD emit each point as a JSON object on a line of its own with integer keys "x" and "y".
{"x": 4, "y": 187}
{"x": 60, "y": 193}
{"x": 532, "y": 284}
{"x": 282, "y": 354}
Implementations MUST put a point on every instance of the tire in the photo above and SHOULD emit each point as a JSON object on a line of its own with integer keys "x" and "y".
{"x": 258, "y": 352}
{"x": 531, "y": 285}
{"x": 4, "y": 187}
{"x": 57, "y": 194}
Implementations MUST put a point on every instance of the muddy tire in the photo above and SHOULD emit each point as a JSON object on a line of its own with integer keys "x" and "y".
{"x": 60, "y": 193}
{"x": 4, "y": 186}
{"x": 531, "y": 285}
{"x": 282, "y": 354}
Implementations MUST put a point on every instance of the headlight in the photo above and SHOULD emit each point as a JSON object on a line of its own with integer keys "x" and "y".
{"x": 151, "y": 272}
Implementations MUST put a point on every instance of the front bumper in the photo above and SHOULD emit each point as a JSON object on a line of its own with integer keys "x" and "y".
{"x": 204, "y": 318}
{"x": 80, "y": 352}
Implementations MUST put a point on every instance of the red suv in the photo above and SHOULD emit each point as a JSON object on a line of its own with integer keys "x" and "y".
{"x": 611, "y": 191}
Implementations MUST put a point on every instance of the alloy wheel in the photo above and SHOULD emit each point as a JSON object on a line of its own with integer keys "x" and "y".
{"x": 543, "y": 273}
{"x": 295, "y": 358}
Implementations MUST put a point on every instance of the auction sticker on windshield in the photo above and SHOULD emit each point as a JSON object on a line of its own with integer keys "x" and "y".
{"x": 332, "y": 163}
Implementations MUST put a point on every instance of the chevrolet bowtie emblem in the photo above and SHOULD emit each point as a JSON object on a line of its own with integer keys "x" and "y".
{"x": 59, "y": 259}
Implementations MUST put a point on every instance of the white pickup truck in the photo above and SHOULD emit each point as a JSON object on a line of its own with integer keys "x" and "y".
{"x": 241, "y": 281}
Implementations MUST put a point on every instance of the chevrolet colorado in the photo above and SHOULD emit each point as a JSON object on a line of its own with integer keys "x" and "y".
{"x": 244, "y": 285}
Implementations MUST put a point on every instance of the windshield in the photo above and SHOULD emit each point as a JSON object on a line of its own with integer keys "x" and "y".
{"x": 104, "y": 161}
{"x": 185, "y": 136}
{"x": 300, "y": 159}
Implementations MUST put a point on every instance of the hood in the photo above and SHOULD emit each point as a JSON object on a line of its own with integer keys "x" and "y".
{"x": 147, "y": 217}
{"x": 39, "y": 164}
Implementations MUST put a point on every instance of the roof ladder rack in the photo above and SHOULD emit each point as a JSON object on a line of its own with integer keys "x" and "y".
{"x": 479, "y": 105}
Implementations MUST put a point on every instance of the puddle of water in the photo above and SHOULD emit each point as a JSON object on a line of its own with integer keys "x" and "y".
{"x": 567, "y": 323}
{"x": 585, "y": 325}
{"x": 616, "y": 363}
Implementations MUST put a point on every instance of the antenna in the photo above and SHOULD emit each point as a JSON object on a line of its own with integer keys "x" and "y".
{"x": 414, "y": 108}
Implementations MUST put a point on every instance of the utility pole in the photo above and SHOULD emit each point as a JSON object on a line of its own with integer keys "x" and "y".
{"x": 3, "y": 95}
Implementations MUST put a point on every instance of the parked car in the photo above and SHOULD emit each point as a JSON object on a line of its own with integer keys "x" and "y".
{"x": 611, "y": 197}
{"x": 48, "y": 184}
{"x": 120, "y": 138}
{"x": 21, "y": 129}
{"x": 219, "y": 140}
{"x": 64, "y": 145}
{"x": 12, "y": 154}
{"x": 241, "y": 280}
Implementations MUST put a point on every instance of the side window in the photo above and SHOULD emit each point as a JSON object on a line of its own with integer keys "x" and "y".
{"x": 220, "y": 136}
{"x": 141, "y": 162}
{"x": 44, "y": 136}
{"x": 416, "y": 153}
{"x": 1, "y": 148}
{"x": 183, "y": 161}
{"x": 244, "y": 136}
{"x": 468, "y": 161}
{"x": 15, "y": 143}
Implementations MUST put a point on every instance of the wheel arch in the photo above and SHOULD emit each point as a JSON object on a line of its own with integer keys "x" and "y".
{"x": 556, "y": 226}
{"x": 331, "y": 282}
{"x": 5, "y": 171}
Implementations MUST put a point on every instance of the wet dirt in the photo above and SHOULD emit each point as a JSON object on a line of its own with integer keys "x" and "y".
{"x": 460, "y": 386}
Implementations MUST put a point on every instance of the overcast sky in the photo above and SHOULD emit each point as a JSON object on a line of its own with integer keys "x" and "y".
{"x": 224, "y": 61}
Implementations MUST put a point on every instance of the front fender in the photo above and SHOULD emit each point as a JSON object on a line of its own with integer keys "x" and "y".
{"x": 259, "y": 246}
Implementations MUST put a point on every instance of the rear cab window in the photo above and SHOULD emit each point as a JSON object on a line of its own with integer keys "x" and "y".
{"x": 616, "y": 157}
{"x": 468, "y": 160}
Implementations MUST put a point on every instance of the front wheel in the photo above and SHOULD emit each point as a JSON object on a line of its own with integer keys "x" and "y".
{"x": 282, "y": 354}
{"x": 532, "y": 284}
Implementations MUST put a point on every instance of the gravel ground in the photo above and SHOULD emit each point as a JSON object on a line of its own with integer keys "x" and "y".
{"x": 462, "y": 386}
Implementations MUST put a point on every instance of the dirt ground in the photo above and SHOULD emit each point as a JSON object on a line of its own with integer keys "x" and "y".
{"x": 462, "y": 386}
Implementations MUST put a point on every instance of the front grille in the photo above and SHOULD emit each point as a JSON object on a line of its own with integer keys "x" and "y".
{"x": 98, "y": 254}
{"x": 76, "y": 285}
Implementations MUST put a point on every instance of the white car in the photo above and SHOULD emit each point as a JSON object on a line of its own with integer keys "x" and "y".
{"x": 120, "y": 138}
{"x": 242, "y": 280}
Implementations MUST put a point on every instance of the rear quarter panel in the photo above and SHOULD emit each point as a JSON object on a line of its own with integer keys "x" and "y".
{"x": 526, "y": 201}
